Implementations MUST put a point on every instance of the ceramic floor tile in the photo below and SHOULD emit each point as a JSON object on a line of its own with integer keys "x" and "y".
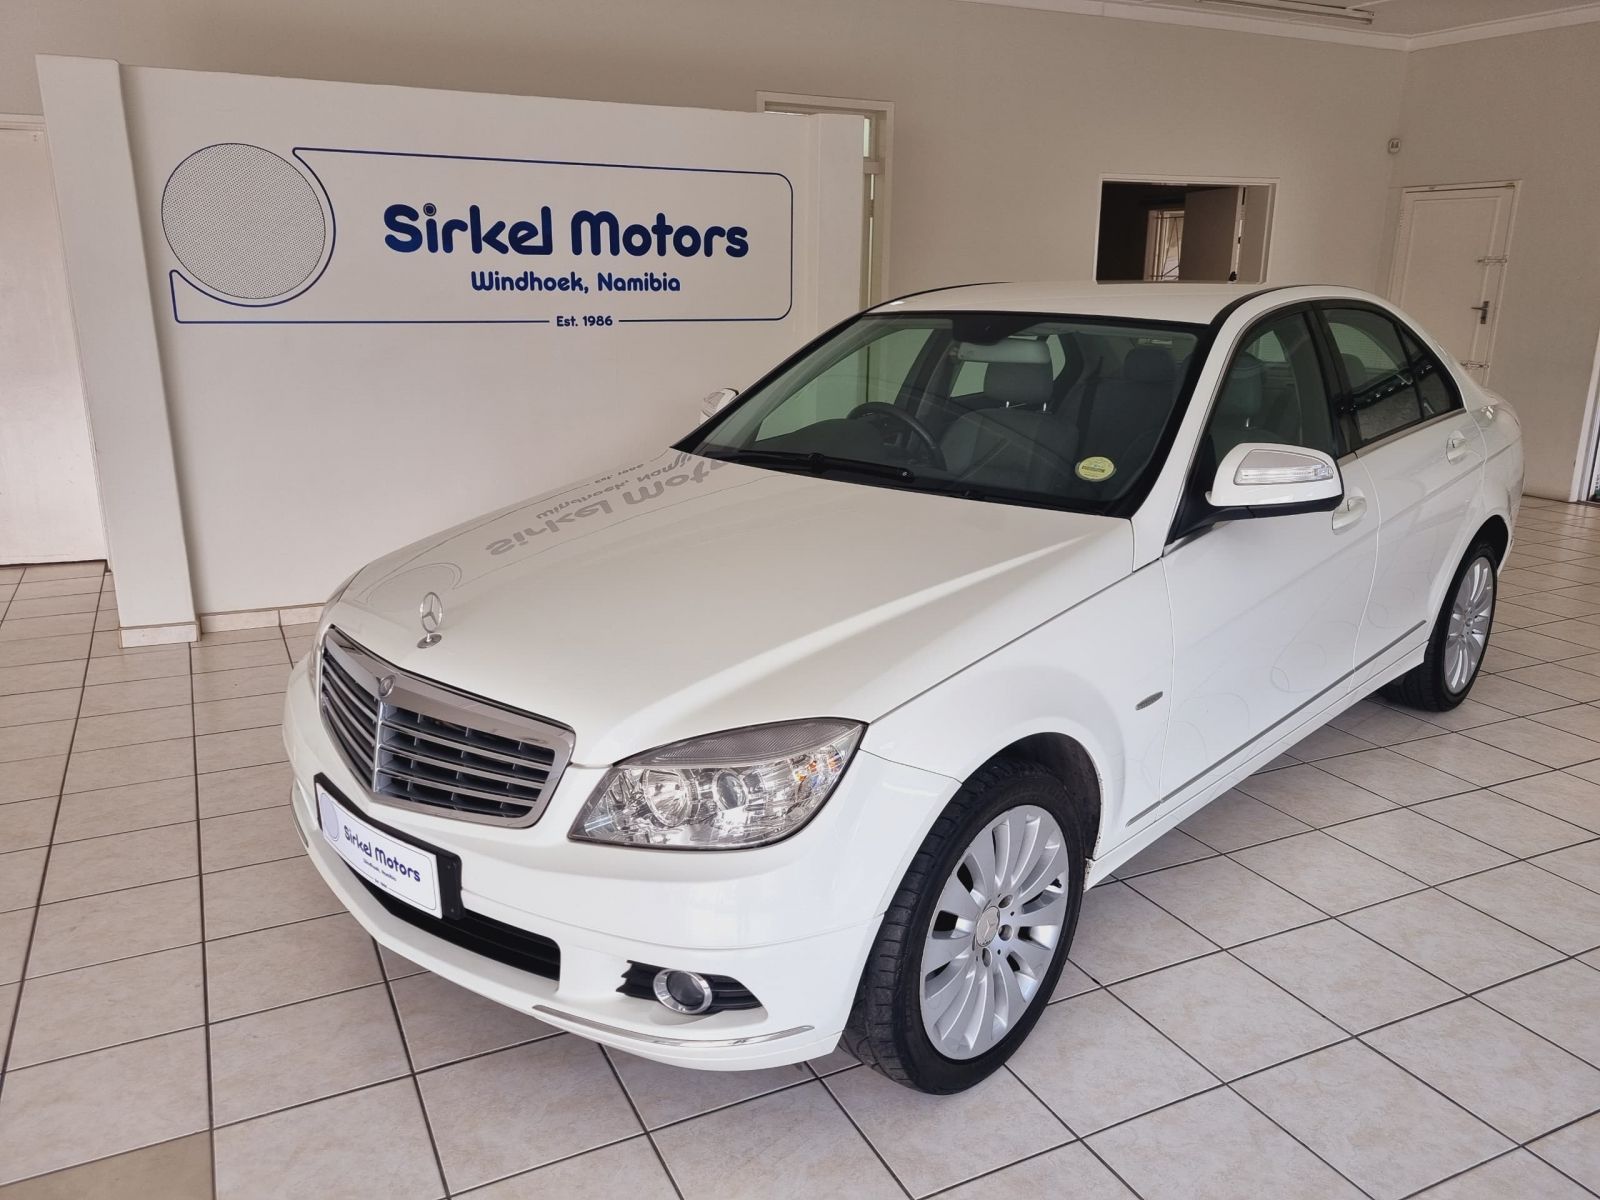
{"x": 1513, "y": 1079}
{"x": 122, "y": 860}
{"x": 1227, "y": 1016}
{"x": 1326, "y": 873}
{"x": 88, "y": 585}
{"x": 1574, "y": 1150}
{"x": 1445, "y": 937}
{"x": 1423, "y": 849}
{"x": 1580, "y": 864}
{"x": 443, "y": 1022}
{"x": 179, "y": 1169}
{"x": 1503, "y": 823}
{"x": 23, "y": 628}
{"x": 1070, "y": 1171}
{"x": 15, "y": 930}
{"x": 271, "y": 1060}
{"x": 245, "y": 788}
{"x": 1545, "y": 906}
{"x": 20, "y": 873}
{"x": 1539, "y": 645}
{"x": 792, "y": 1143}
{"x": 1225, "y": 902}
{"x": 108, "y": 1004}
{"x": 1561, "y": 1003}
{"x": 1095, "y": 1062}
{"x": 1395, "y": 776}
{"x": 306, "y": 1151}
{"x": 395, "y": 966}
{"x": 516, "y": 1109}
{"x": 1520, "y": 699}
{"x": 933, "y": 1142}
{"x": 124, "y": 809}
{"x": 1469, "y": 714}
{"x": 1348, "y": 978}
{"x": 1071, "y": 982}
{"x": 1170, "y": 849}
{"x": 88, "y": 569}
{"x": 1559, "y": 679}
{"x": 629, "y": 1168}
{"x": 237, "y": 655}
{"x": 1120, "y": 933}
{"x": 77, "y": 1109}
{"x": 94, "y": 769}
{"x": 72, "y": 647}
{"x": 1377, "y": 1126}
{"x": 1313, "y": 795}
{"x": 272, "y": 893}
{"x": 33, "y": 708}
{"x": 32, "y": 778}
{"x": 1561, "y": 794}
{"x": 242, "y": 839}
{"x": 1234, "y": 820}
{"x": 140, "y": 694}
{"x": 80, "y": 933}
{"x": 1471, "y": 757}
{"x": 26, "y": 824}
{"x": 240, "y": 748}
{"x": 132, "y": 728}
{"x": 1326, "y": 743}
{"x": 1518, "y": 1174}
{"x": 245, "y": 681}
{"x": 241, "y": 712}
{"x": 162, "y": 663}
{"x": 1215, "y": 1147}
{"x": 40, "y": 677}
{"x": 39, "y": 740}
{"x": 665, "y": 1094}
{"x": 288, "y": 963}
{"x": 1539, "y": 742}
{"x": 1581, "y": 719}
{"x": 1382, "y": 725}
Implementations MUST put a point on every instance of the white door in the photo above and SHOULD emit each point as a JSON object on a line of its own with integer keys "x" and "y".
{"x": 49, "y": 501}
{"x": 1449, "y": 261}
{"x": 1404, "y": 419}
{"x": 1265, "y": 610}
{"x": 1210, "y": 234}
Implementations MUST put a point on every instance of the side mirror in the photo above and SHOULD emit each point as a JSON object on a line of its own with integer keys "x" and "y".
{"x": 716, "y": 401}
{"x": 1277, "y": 480}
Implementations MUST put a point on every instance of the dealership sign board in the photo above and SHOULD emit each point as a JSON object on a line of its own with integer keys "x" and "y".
{"x": 324, "y": 235}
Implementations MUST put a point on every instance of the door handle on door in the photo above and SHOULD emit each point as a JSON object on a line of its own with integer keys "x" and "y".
{"x": 1351, "y": 511}
{"x": 1455, "y": 449}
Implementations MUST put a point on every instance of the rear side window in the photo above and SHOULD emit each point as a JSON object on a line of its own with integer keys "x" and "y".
{"x": 1394, "y": 381}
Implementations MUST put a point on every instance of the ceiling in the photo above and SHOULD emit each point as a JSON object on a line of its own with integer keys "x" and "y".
{"x": 1395, "y": 24}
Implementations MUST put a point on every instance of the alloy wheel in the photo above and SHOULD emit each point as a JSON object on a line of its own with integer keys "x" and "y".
{"x": 1467, "y": 636}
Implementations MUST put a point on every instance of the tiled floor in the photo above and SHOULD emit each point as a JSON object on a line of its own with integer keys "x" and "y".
{"x": 1371, "y": 970}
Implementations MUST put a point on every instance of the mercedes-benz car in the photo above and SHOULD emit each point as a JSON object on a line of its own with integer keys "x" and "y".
{"x": 812, "y": 730}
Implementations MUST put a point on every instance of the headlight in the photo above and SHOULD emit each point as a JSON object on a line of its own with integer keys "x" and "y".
{"x": 729, "y": 791}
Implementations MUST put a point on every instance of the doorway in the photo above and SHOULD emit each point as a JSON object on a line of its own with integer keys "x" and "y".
{"x": 49, "y": 497}
{"x": 1450, "y": 253}
{"x": 877, "y": 136}
{"x": 1159, "y": 231}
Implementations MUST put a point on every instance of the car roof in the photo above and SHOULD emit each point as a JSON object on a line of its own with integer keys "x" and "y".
{"x": 1194, "y": 303}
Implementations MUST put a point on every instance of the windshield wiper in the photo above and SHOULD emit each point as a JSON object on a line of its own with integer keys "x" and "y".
{"x": 816, "y": 462}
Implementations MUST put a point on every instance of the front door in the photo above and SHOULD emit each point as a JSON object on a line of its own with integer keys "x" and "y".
{"x": 1450, "y": 256}
{"x": 1265, "y": 610}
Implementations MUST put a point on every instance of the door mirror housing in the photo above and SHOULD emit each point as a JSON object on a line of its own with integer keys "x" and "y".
{"x": 716, "y": 401}
{"x": 1267, "y": 479}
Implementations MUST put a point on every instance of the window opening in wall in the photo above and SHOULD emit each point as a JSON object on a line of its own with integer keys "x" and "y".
{"x": 1183, "y": 231}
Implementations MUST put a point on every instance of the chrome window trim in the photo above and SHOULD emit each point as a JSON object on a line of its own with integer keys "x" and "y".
{"x": 441, "y": 702}
{"x": 1368, "y": 447}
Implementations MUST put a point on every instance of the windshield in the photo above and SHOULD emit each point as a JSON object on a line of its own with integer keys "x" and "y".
{"x": 1058, "y": 411}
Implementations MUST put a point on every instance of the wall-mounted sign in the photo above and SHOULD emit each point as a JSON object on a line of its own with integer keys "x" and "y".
{"x": 345, "y": 236}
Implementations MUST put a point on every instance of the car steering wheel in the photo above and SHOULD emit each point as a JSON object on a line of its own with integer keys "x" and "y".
{"x": 877, "y": 408}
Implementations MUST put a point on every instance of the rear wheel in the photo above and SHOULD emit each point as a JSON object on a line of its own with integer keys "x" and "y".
{"x": 975, "y": 938}
{"x": 1459, "y": 640}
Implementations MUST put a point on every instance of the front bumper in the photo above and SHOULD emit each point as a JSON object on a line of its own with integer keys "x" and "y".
{"x": 793, "y": 922}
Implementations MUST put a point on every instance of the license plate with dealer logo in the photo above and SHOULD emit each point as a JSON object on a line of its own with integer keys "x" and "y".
{"x": 397, "y": 866}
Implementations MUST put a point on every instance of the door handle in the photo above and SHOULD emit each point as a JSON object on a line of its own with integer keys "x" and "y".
{"x": 1350, "y": 512}
{"x": 1482, "y": 310}
{"x": 1455, "y": 449}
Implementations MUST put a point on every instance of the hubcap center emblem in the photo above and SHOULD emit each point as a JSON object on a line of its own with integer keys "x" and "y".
{"x": 988, "y": 925}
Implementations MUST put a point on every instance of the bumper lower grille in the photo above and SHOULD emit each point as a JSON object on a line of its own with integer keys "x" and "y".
{"x": 418, "y": 744}
{"x": 480, "y": 934}
{"x": 727, "y": 993}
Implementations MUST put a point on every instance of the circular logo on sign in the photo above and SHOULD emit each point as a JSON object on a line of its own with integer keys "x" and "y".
{"x": 243, "y": 221}
{"x": 1096, "y": 469}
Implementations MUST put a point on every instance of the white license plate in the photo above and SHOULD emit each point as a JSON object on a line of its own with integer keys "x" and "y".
{"x": 399, "y": 868}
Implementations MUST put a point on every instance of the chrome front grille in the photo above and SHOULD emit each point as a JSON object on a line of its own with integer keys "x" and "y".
{"x": 420, "y": 745}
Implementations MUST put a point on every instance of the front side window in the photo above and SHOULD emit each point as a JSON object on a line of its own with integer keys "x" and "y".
{"x": 1063, "y": 411}
{"x": 1394, "y": 381}
{"x": 1274, "y": 391}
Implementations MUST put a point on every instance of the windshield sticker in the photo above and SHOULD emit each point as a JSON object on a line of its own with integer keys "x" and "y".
{"x": 1096, "y": 469}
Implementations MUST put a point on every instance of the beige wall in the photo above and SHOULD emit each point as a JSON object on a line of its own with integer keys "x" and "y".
{"x": 1526, "y": 108}
{"x": 1005, "y": 118}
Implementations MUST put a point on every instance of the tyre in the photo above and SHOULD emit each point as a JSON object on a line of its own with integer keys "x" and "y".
{"x": 1459, "y": 640}
{"x": 975, "y": 937}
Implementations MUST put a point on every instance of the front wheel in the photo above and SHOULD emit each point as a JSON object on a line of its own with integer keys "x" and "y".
{"x": 975, "y": 937}
{"x": 1459, "y": 640}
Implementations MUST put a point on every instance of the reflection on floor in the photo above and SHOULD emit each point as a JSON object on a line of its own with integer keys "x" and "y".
{"x": 1371, "y": 970}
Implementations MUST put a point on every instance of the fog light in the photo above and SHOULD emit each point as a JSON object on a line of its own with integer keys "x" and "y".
{"x": 683, "y": 991}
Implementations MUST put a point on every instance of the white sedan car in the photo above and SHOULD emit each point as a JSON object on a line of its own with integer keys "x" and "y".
{"x": 815, "y": 728}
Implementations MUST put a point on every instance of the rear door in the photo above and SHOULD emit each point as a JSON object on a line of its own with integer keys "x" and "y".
{"x": 1402, "y": 415}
